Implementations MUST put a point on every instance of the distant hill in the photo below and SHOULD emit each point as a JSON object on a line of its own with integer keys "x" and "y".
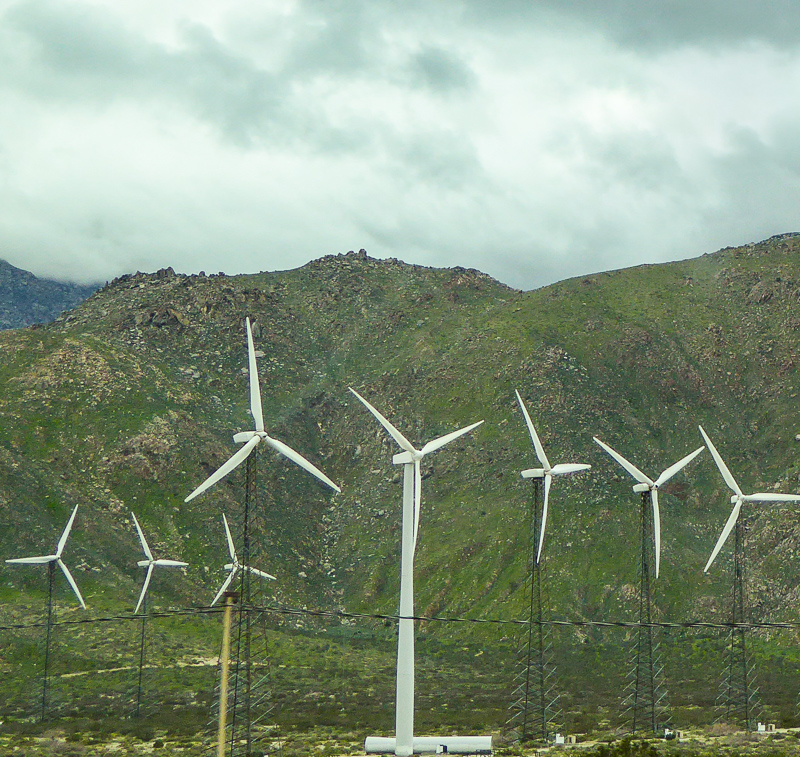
{"x": 132, "y": 398}
{"x": 26, "y": 299}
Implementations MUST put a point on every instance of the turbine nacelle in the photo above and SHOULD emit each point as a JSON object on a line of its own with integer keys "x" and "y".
{"x": 534, "y": 473}
{"x": 639, "y": 488}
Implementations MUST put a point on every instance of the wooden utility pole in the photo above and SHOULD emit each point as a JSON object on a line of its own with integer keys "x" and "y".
{"x": 225, "y": 658}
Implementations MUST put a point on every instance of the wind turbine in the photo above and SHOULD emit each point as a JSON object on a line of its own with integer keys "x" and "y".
{"x": 738, "y": 691}
{"x": 252, "y": 439}
{"x": 737, "y": 499}
{"x": 647, "y": 485}
{"x": 244, "y": 691}
{"x": 645, "y": 697}
{"x": 546, "y": 472}
{"x": 51, "y": 561}
{"x": 150, "y": 563}
{"x": 235, "y": 565}
{"x": 410, "y": 458}
{"x": 533, "y": 709}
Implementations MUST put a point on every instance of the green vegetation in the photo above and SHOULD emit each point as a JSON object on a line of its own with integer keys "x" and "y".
{"x": 131, "y": 400}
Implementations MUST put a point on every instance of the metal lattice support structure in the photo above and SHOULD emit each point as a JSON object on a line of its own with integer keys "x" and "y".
{"x": 250, "y": 702}
{"x": 49, "y": 643}
{"x": 534, "y": 712}
{"x": 738, "y": 701}
{"x": 646, "y": 697}
{"x": 139, "y": 704}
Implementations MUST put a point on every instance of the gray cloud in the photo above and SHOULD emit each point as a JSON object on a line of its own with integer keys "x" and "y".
{"x": 533, "y": 141}
{"x": 652, "y": 24}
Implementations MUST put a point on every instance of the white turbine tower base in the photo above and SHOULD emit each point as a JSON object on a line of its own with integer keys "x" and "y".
{"x": 234, "y": 566}
{"x": 404, "y": 743}
{"x": 433, "y": 745}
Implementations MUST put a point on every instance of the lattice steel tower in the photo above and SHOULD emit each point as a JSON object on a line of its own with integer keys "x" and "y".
{"x": 738, "y": 700}
{"x": 646, "y": 695}
{"x": 534, "y": 712}
{"x": 250, "y": 701}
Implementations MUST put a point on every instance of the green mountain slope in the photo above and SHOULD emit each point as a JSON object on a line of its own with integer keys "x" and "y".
{"x": 131, "y": 400}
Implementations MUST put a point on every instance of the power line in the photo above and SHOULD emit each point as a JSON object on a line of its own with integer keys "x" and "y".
{"x": 343, "y": 615}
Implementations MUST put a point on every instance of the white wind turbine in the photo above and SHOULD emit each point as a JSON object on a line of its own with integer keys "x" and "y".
{"x": 55, "y": 559}
{"x": 404, "y": 742}
{"x": 150, "y": 563}
{"x": 646, "y": 484}
{"x": 51, "y": 561}
{"x": 546, "y": 472}
{"x": 253, "y": 438}
{"x": 235, "y": 565}
{"x": 737, "y": 499}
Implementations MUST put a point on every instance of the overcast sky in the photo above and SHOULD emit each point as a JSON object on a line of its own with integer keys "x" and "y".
{"x": 532, "y": 139}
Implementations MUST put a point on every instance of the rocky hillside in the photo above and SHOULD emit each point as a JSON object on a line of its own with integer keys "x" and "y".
{"x": 131, "y": 399}
{"x": 26, "y": 299}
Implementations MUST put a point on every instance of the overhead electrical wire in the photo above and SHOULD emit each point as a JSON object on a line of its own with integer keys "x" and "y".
{"x": 343, "y": 615}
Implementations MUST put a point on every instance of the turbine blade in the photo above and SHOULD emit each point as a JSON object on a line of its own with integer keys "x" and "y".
{"x": 144, "y": 588}
{"x": 563, "y": 468}
{"x": 417, "y": 499}
{"x": 171, "y": 563}
{"x": 63, "y": 540}
{"x": 630, "y": 467}
{"x": 225, "y": 584}
{"x": 731, "y": 522}
{"x": 147, "y": 552}
{"x": 65, "y": 571}
{"x": 548, "y": 479}
{"x": 225, "y": 468}
{"x": 770, "y": 497}
{"x": 231, "y": 548}
{"x": 656, "y": 526}
{"x": 298, "y": 459}
{"x": 435, "y": 444}
{"x": 537, "y": 445}
{"x": 393, "y": 432}
{"x": 260, "y": 573}
{"x": 723, "y": 469}
{"x": 255, "y": 389}
{"x": 673, "y": 469}
{"x": 33, "y": 560}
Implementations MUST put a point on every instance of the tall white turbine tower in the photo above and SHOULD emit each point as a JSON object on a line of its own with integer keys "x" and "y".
{"x": 150, "y": 563}
{"x": 51, "y": 561}
{"x": 405, "y": 743}
{"x": 738, "y": 689}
